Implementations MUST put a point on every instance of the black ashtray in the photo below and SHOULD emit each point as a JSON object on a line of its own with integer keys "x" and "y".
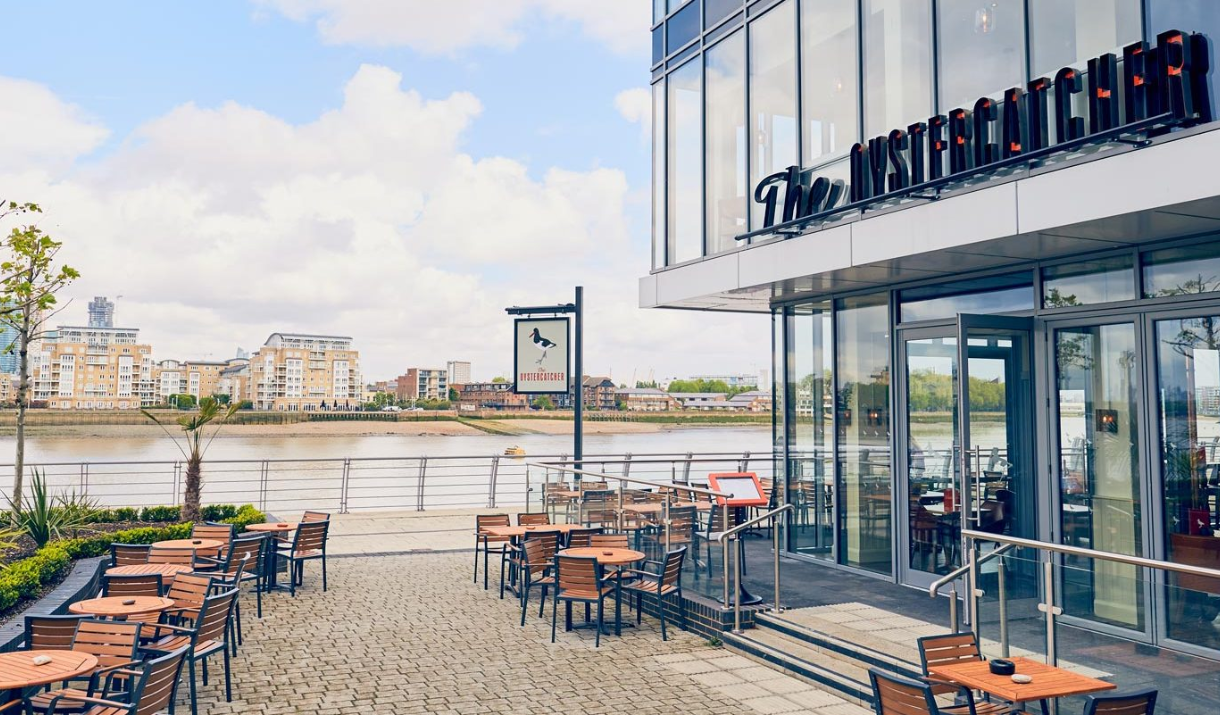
{"x": 999, "y": 666}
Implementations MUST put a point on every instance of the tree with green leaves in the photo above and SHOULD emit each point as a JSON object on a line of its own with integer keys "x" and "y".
{"x": 543, "y": 402}
{"x": 30, "y": 278}
{"x": 195, "y": 446}
{"x": 499, "y": 379}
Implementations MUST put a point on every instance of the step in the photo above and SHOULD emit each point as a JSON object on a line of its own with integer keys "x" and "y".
{"x": 851, "y": 647}
{"x": 793, "y": 656}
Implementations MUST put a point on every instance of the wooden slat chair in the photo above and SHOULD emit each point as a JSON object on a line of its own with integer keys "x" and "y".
{"x": 244, "y": 565}
{"x": 177, "y": 557}
{"x": 894, "y": 695}
{"x": 137, "y": 585}
{"x": 533, "y": 519}
{"x": 487, "y": 543}
{"x": 308, "y": 544}
{"x": 154, "y": 685}
{"x": 188, "y": 591}
{"x": 659, "y": 585}
{"x": 579, "y": 580}
{"x": 314, "y": 516}
{"x": 947, "y": 650}
{"x": 536, "y": 571}
{"x": 50, "y": 632}
{"x": 609, "y": 541}
{"x": 514, "y": 557}
{"x": 1139, "y": 703}
{"x": 580, "y": 538}
{"x": 223, "y": 533}
{"x": 129, "y": 554}
{"x": 208, "y": 637}
{"x": 114, "y": 644}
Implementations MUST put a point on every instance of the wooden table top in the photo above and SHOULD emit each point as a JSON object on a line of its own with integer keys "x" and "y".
{"x": 17, "y": 669}
{"x": 606, "y": 557}
{"x": 198, "y": 544}
{"x": 1048, "y": 681}
{"x": 656, "y": 507}
{"x": 517, "y": 531}
{"x": 273, "y": 527}
{"x": 113, "y": 606}
{"x": 169, "y": 570}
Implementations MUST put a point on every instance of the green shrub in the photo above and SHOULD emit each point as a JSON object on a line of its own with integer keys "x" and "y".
{"x": 24, "y": 578}
{"x": 126, "y": 513}
{"x": 218, "y": 512}
{"x": 160, "y": 513}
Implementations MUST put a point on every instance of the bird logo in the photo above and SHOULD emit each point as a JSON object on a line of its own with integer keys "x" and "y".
{"x": 542, "y": 344}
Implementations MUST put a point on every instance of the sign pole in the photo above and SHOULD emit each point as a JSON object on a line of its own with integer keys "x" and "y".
{"x": 578, "y": 437}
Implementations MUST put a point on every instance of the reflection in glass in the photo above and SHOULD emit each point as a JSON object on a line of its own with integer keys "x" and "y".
{"x": 1188, "y": 16}
{"x": 994, "y": 294}
{"x": 829, "y": 77}
{"x": 1187, "y": 270}
{"x": 658, "y": 174}
{"x": 1071, "y": 32}
{"x": 1188, "y": 375}
{"x": 726, "y": 141}
{"x": 810, "y": 469}
{"x": 772, "y": 95}
{"x": 983, "y": 49}
{"x": 1099, "y": 281}
{"x": 1098, "y": 409}
{"x": 863, "y": 421}
{"x": 658, "y": 10}
{"x": 897, "y": 64}
{"x": 716, "y": 10}
{"x": 934, "y": 519}
{"x": 658, "y": 44}
{"x": 683, "y": 27}
{"x": 685, "y": 164}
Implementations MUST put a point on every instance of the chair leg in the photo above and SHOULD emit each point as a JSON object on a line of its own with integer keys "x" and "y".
{"x": 237, "y": 620}
{"x": 258, "y": 595}
{"x": 324, "y": 572}
{"x": 204, "y": 663}
{"x": 661, "y": 614}
{"x": 476, "y": 559}
{"x": 681, "y": 608}
{"x": 525, "y": 602}
{"x": 194, "y": 694}
{"x": 554, "y": 615}
{"x": 502, "y": 558}
{"x": 601, "y": 607}
{"x": 486, "y": 557}
{"x": 567, "y": 617}
{"x": 228, "y": 679}
{"x": 639, "y": 608}
{"x": 542, "y": 601}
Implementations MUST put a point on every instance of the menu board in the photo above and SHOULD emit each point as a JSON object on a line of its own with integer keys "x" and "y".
{"x": 743, "y": 487}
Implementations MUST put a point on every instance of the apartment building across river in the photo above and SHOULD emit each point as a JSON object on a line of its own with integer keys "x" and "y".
{"x": 293, "y": 372}
{"x": 92, "y": 368}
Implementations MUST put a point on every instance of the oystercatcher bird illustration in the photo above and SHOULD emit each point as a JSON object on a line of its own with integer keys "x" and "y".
{"x": 542, "y": 344}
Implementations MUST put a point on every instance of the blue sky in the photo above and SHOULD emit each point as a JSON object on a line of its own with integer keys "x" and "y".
{"x": 395, "y": 170}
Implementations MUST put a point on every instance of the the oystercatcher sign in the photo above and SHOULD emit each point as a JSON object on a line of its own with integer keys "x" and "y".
{"x": 541, "y": 358}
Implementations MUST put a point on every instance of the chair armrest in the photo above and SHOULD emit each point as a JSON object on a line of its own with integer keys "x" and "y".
{"x": 88, "y": 699}
{"x": 156, "y": 627}
{"x": 107, "y": 671}
{"x": 13, "y": 703}
{"x": 637, "y": 572}
{"x": 962, "y": 689}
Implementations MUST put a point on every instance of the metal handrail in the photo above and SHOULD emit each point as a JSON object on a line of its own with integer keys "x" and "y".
{"x": 632, "y": 480}
{"x": 730, "y": 535}
{"x": 960, "y": 571}
{"x": 952, "y": 577}
{"x": 756, "y": 520}
{"x": 1092, "y": 554}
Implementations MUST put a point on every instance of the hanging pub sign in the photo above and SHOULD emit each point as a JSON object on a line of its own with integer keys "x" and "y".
{"x": 541, "y": 358}
{"x": 1159, "y": 87}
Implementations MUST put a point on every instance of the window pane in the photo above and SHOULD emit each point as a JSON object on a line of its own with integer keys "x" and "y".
{"x": 658, "y": 174}
{"x": 810, "y": 432}
{"x": 1071, "y": 32}
{"x": 715, "y": 10}
{"x": 1102, "y": 281}
{"x": 772, "y": 94}
{"x": 685, "y": 164}
{"x": 683, "y": 26}
{"x": 982, "y": 49}
{"x": 658, "y": 44}
{"x": 1188, "y": 16}
{"x": 862, "y": 403}
{"x": 726, "y": 141}
{"x": 993, "y": 294}
{"x": 897, "y": 64}
{"x": 830, "y": 78}
{"x": 658, "y": 10}
{"x": 1182, "y": 271}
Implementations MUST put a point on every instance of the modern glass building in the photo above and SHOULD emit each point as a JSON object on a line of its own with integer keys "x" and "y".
{"x": 987, "y": 233}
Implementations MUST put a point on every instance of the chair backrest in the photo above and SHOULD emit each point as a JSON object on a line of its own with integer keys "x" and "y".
{"x": 893, "y": 695}
{"x": 112, "y": 642}
{"x": 682, "y": 522}
{"x": 245, "y": 555}
{"x": 180, "y": 557}
{"x": 946, "y": 650}
{"x": 533, "y": 519}
{"x": 215, "y": 532}
{"x": 158, "y": 683}
{"x": 50, "y": 632}
{"x": 214, "y": 617}
{"x": 539, "y": 554}
{"x": 591, "y": 486}
{"x": 314, "y": 516}
{"x": 132, "y": 585}
{"x": 484, "y": 521}
{"x": 311, "y": 536}
{"x": 188, "y": 590}
{"x": 609, "y": 541}
{"x": 129, "y": 554}
{"x": 579, "y": 538}
{"x": 1141, "y": 703}
{"x": 671, "y": 575}
{"x": 577, "y": 573}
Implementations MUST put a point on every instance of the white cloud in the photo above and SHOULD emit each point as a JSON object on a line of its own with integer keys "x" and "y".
{"x": 38, "y": 129}
{"x": 445, "y": 27}
{"x": 219, "y": 225}
{"x": 635, "y": 105}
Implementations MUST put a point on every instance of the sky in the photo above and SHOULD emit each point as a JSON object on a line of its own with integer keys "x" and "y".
{"x": 397, "y": 171}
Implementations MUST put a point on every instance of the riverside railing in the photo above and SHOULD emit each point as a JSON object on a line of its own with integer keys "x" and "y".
{"x": 346, "y": 484}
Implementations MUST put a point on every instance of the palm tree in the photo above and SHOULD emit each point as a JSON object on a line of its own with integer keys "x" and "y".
{"x": 196, "y": 446}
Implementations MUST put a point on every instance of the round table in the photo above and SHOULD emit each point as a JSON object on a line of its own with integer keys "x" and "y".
{"x": 610, "y": 557}
{"x": 278, "y": 530}
{"x": 113, "y": 606}
{"x": 165, "y": 570}
{"x": 17, "y": 669}
{"x": 197, "y": 544}
{"x": 273, "y": 528}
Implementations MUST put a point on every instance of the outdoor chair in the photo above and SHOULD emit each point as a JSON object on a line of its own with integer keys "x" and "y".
{"x": 308, "y": 544}
{"x": 129, "y": 554}
{"x": 223, "y": 533}
{"x": 154, "y": 685}
{"x": 950, "y": 649}
{"x": 536, "y": 572}
{"x": 894, "y": 695}
{"x": 314, "y": 516}
{"x": 533, "y": 519}
{"x": 243, "y": 564}
{"x": 514, "y": 556}
{"x": 114, "y": 644}
{"x": 659, "y": 585}
{"x": 597, "y": 511}
{"x": 683, "y": 520}
{"x": 208, "y": 637}
{"x": 139, "y": 585}
{"x": 579, "y": 580}
{"x": 579, "y": 538}
{"x": 1140, "y": 703}
{"x": 50, "y": 632}
{"x": 487, "y": 543}
{"x": 188, "y": 592}
{"x": 178, "y": 557}
{"x": 609, "y": 541}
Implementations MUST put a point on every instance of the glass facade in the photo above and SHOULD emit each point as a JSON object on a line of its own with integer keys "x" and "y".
{"x": 809, "y": 403}
{"x": 1070, "y": 32}
{"x": 829, "y": 82}
{"x": 983, "y": 52}
{"x": 897, "y": 64}
{"x": 726, "y": 145}
{"x": 658, "y": 172}
{"x": 685, "y": 163}
{"x": 772, "y": 101}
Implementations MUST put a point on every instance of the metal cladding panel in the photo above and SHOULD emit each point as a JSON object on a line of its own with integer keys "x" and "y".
{"x": 648, "y": 292}
{"x": 714, "y": 275}
{"x": 816, "y": 253}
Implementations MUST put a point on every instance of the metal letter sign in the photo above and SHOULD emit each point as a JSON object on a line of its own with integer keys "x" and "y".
{"x": 541, "y": 355}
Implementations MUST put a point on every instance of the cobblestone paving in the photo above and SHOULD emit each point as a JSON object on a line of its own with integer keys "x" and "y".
{"x": 412, "y": 634}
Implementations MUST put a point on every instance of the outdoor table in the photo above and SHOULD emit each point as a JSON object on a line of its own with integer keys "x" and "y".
{"x": 656, "y": 507}
{"x": 113, "y": 606}
{"x": 610, "y": 557}
{"x": 1048, "y": 681}
{"x": 516, "y": 533}
{"x": 278, "y": 530}
{"x": 18, "y": 672}
{"x": 196, "y": 544}
{"x": 166, "y": 571}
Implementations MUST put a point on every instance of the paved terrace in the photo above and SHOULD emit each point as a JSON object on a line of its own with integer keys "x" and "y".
{"x": 408, "y": 632}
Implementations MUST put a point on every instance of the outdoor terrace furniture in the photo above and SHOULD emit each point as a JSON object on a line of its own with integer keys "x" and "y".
{"x": 893, "y": 695}
{"x": 683, "y": 520}
{"x": 1140, "y": 703}
{"x": 188, "y": 592}
{"x": 175, "y": 556}
{"x": 537, "y": 571}
{"x": 136, "y": 585}
{"x": 18, "y": 672}
{"x": 579, "y": 580}
{"x": 950, "y": 649}
{"x": 244, "y": 565}
{"x": 113, "y": 643}
{"x": 50, "y": 632}
{"x": 129, "y": 554}
{"x": 514, "y": 556}
{"x": 308, "y": 544}
{"x": 578, "y": 538}
{"x": 660, "y": 585}
{"x": 487, "y": 543}
{"x": 1047, "y": 681}
{"x": 609, "y": 541}
{"x": 154, "y": 684}
{"x": 213, "y": 532}
{"x": 533, "y": 519}
{"x": 315, "y": 516}
{"x": 121, "y": 607}
{"x": 208, "y": 637}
